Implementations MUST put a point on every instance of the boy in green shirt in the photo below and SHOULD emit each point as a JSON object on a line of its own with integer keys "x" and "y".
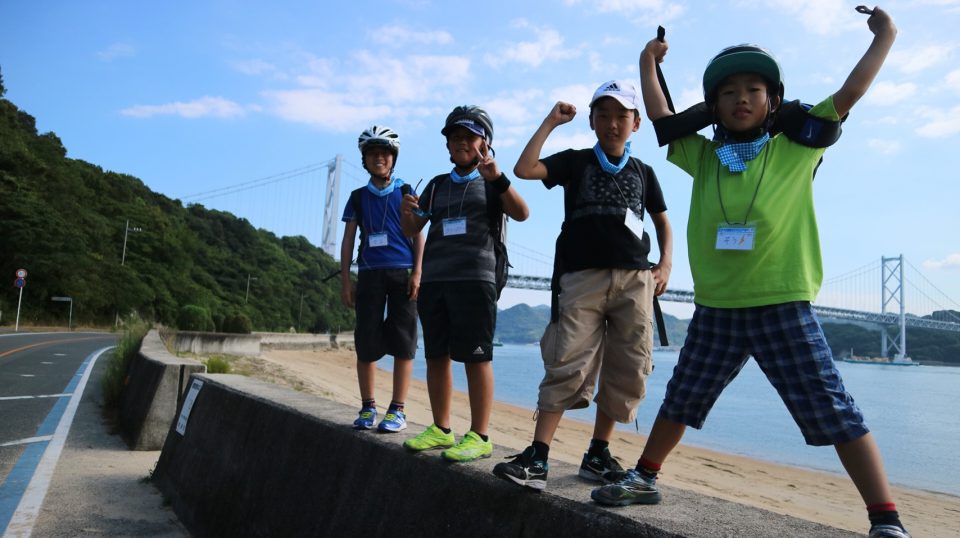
{"x": 755, "y": 257}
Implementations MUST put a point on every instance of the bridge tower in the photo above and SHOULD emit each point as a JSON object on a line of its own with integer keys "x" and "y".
{"x": 330, "y": 209}
{"x": 892, "y": 290}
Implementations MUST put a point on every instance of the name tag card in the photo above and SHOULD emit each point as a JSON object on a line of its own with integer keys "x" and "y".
{"x": 378, "y": 240}
{"x": 633, "y": 222}
{"x": 456, "y": 226}
{"x": 735, "y": 237}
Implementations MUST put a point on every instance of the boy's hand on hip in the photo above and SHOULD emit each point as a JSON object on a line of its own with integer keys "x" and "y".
{"x": 661, "y": 275}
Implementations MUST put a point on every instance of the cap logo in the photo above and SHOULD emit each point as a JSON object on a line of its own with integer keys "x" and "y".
{"x": 612, "y": 87}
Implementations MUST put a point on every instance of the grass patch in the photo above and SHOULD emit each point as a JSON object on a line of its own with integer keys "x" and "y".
{"x": 218, "y": 365}
{"x": 115, "y": 376}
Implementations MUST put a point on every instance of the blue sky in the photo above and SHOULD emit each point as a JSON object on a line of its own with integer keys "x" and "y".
{"x": 192, "y": 96}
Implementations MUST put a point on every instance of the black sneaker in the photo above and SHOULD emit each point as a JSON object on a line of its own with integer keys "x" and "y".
{"x": 524, "y": 470}
{"x": 604, "y": 468}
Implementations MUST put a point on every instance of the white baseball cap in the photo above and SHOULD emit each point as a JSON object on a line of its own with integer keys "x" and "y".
{"x": 622, "y": 90}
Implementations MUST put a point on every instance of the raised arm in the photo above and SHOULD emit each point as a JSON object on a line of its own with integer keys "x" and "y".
{"x": 529, "y": 165}
{"x": 654, "y": 101}
{"x": 860, "y": 79}
{"x": 513, "y": 204}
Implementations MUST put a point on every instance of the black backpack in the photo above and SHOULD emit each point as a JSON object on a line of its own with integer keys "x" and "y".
{"x": 498, "y": 229}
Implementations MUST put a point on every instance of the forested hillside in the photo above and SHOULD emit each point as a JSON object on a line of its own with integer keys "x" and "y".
{"x": 63, "y": 220}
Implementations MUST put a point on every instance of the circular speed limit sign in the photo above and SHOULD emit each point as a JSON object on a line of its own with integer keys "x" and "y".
{"x": 21, "y": 273}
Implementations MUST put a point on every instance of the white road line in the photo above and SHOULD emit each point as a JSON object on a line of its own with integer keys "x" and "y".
{"x": 28, "y": 440}
{"x": 22, "y": 521}
{"x": 2, "y": 398}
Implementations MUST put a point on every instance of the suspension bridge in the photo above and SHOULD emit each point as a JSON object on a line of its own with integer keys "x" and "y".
{"x": 307, "y": 201}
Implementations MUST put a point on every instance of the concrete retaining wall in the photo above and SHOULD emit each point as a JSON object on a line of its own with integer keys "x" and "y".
{"x": 202, "y": 343}
{"x": 257, "y": 459}
{"x": 152, "y": 393}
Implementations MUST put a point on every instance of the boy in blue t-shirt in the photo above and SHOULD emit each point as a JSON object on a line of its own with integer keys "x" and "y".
{"x": 388, "y": 277}
{"x": 755, "y": 257}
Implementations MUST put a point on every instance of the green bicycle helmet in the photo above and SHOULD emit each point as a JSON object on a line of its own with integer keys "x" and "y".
{"x": 744, "y": 58}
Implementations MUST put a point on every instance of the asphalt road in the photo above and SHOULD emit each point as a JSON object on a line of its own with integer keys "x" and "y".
{"x": 63, "y": 471}
{"x": 35, "y": 369}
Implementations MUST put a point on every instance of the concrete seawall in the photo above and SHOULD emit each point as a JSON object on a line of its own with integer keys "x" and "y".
{"x": 256, "y": 459}
{"x": 151, "y": 395}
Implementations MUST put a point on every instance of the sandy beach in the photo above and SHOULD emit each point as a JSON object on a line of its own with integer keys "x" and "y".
{"x": 816, "y": 496}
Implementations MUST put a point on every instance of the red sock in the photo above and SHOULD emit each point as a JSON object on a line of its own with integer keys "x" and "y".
{"x": 648, "y": 467}
{"x": 881, "y": 507}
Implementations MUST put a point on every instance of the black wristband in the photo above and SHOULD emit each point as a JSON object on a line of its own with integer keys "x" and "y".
{"x": 501, "y": 184}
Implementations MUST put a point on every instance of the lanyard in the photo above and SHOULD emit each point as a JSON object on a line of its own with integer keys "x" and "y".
{"x": 450, "y": 197}
{"x": 746, "y": 217}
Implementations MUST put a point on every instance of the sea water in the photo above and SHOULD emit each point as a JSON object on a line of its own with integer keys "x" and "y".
{"x": 910, "y": 409}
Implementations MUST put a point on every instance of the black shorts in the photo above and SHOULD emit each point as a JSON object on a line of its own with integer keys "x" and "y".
{"x": 391, "y": 333}
{"x": 458, "y": 319}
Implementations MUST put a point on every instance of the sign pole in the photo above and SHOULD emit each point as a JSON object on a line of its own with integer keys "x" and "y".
{"x": 16, "y": 327}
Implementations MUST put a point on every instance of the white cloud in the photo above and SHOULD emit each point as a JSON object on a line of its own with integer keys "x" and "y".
{"x": 640, "y": 12}
{"x": 341, "y": 101}
{"x": 338, "y": 111}
{"x": 253, "y": 67}
{"x": 818, "y": 16}
{"x": 886, "y": 147}
{"x": 953, "y": 80}
{"x": 561, "y": 141}
{"x": 547, "y": 47}
{"x": 889, "y": 93}
{"x": 941, "y": 124}
{"x": 950, "y": 262}
{"x": 408, "y": 79}
{"x": 919, "y": 58}
{"x": 598, "y": 65}
{"x": 396, "y": 35}
{"x": 215, "y": 107}
{"x": 117, "y": 50}
{"x": 516, "y": 107}
{"x": 577, "y": 94}
{"x": 687, "y": 98}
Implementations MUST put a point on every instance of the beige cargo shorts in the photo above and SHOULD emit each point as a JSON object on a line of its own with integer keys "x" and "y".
{"x": 604, "y": 330}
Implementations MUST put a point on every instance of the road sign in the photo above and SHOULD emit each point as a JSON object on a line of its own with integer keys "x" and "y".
{"x": 21, "y": 273}
{"x": 63, "y": 299}
{"x": 19, "y": 282}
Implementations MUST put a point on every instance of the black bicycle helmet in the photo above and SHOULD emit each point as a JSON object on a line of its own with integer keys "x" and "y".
{"x": 467, "y": 116}
{"x": 741, "y": 59}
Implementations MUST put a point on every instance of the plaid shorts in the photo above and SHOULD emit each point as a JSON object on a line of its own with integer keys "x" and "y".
{"x": 789, "y": 346}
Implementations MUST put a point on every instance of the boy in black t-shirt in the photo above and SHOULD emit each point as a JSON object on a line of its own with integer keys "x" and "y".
{"x": 602, "y": 323}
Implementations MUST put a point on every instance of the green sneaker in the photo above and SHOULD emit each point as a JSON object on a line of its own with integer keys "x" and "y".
{"x": 471, "y": 447}
{"x": 432, "y": 437}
